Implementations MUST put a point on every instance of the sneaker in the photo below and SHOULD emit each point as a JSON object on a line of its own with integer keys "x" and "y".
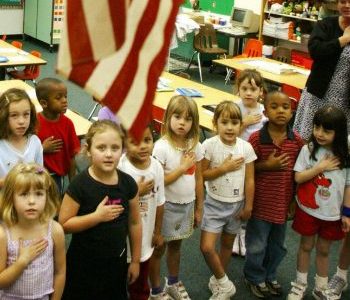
{"x": 317, "y": 293}
{"x": 275, "y": 288}
{"x": 177, "y": 290}
{"x": 260, "y": 290}
{"x": 161, "y": 296}
{"x": 242, "y": 248}
{"x": 298, "y": 291}
{"x": 235, "y": 248}
{"x": 334, "y": 288}
{"x": 213, "y": 284}
{"x": 224, "y": 293}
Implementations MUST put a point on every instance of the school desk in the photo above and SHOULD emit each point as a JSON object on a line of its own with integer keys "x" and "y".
{"x": 81, "y": 124}
{"x": 210, "y": 96}
{"x": 294, "y": 79}
{"x": 17, "y": 57}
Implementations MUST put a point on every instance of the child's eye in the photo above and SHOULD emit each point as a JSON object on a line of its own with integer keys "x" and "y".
{"x": 115, "y": 148}
{"x": 101, "y": 147}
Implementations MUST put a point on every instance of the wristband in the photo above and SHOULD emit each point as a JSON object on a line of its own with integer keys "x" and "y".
{"x": 346, "y": 211}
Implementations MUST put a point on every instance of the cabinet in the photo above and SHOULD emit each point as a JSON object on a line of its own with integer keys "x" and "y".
{"x": 43, "y": 20}
{"x": 295, "y": 27}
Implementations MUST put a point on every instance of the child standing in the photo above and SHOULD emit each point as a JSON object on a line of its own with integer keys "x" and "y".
{"x": 323, "y": 174}
{"x": 32, "y": 254}
{"x": 101, "y": 208}
{"x": 250, "y": 87}
{"x": 56, "y": 131}
{"x": 277, "y": 148}
{"x": 228, "y": 169}
{"x": 149, "y": 175}
{"x": 180, "y": 154}
{"x": 18, "y": 143}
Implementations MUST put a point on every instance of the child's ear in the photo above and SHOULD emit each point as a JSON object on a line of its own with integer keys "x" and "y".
{"x": 43, "y": 103}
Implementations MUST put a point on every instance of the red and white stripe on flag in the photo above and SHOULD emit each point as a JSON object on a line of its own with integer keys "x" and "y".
{"x": 116, "y": 50}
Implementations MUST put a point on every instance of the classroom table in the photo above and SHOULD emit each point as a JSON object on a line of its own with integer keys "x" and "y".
{"x": 294, "y": 79}
{"x": 17, "y": 57}
{"x": 81, "y": 124}
{"x": 210, "y": 96}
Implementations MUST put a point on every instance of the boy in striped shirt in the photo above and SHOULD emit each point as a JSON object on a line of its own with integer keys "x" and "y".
{"x": 277, "y": 148}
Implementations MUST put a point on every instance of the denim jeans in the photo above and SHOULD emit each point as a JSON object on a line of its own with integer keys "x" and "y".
{"x": 265, "y": 250}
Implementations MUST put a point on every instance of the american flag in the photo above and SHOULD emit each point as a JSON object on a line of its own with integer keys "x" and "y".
{"x": 116, "y": 50}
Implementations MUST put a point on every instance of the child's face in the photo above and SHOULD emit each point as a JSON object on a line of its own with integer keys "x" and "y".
{"x": 30, "y": 204}
{"x": 140, "y": 153}
{"x": 324, "y": 137}
{"x": 181, "y": 124}
{"x": 19, "y": 117}
{"x": 278, "y": 109}
{"x": 57, "y": 101}
{"x": 228, "y": 129}
{"x": 249, "y": 92}
{"x": 105, "y": 150}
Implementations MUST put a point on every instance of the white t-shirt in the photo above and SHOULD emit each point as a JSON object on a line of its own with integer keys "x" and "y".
{"x": 182, "y": 190}
{"x": 321, "y": 197}
{"x": 148, "y": 203}
{"x": 230, "y": 186}
{"x": 10, "y": 156}
{"x": 252, "y": 111}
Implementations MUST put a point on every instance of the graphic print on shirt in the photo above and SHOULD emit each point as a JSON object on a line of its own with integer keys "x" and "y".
{"x": 307, "y": 191}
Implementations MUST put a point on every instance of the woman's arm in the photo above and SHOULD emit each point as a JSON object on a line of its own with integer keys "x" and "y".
{"x": 59, "y": 253}
{"x": 72, "y": 223}
{"x": 135, "y": 235}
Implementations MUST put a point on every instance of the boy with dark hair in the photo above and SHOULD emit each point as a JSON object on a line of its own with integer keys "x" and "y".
{"x": 277, "y": 148}
{"x": 56, "y": 131}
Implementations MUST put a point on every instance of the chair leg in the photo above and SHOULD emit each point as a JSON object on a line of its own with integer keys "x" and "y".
{"x": 199, "y": 66}
{"x": 228, "y": 75}
{"x": 190, "y": 63}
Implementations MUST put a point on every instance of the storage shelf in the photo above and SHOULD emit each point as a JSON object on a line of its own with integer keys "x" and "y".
{"x": 289, "y": 16}
{"x": 275, "y": 37}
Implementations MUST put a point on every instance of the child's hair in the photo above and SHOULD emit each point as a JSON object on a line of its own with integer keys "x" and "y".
{"x": 273, "y": 94}
{"x": 101, "y": 126}
{"x": 332, "y": 118}
{"x": 179, "y": 105}
{"x": 227, "y": 109}
{"x": 21, "y": 178}
{"x": 250, "y": 74}
{"x": 12, "y": 96}
{"x": 43, "y": 87}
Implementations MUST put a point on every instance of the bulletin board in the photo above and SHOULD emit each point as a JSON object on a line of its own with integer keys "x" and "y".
{"x": 10, "y": 2}
{"x": 223, "y": 7}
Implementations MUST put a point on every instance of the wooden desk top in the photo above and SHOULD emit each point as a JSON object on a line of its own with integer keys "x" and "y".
{"x": 17, "y": 57}
{"x": 210, "y": 96}
{"x": 80, "y": 123}
{"x": 294, "y": 79}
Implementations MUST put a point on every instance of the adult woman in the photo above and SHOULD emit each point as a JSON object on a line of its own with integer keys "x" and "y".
{"x": 329, "y": 80}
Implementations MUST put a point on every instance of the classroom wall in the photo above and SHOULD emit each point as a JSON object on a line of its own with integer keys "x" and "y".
{"x": 11, "y": 21}
{"x": 222, "y": 7}
{"x": 254, "y": 5}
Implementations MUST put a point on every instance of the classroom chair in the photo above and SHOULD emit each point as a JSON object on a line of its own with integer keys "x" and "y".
{"x": 17, "y": 44}
{"x": 30, "y": 72}
{"x": 205, "y": 42}
{"x": 4, "y": 36}
{"x": 253, "y": 48}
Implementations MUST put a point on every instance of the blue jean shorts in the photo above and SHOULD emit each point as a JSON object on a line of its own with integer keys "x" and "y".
{"x": 221, "y": 216}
